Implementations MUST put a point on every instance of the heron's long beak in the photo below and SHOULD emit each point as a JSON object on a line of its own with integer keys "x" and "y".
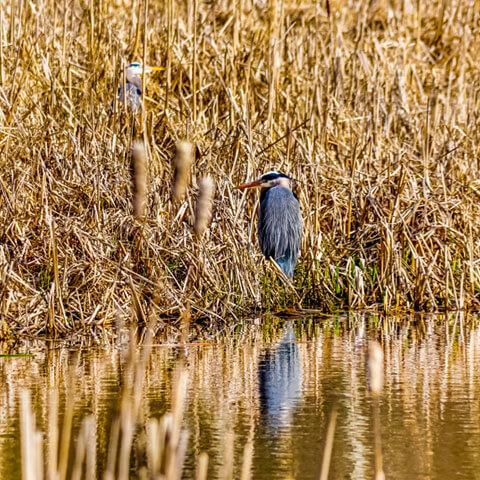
{"x": 254, "y": 184}
{"x": 148, "y": 69}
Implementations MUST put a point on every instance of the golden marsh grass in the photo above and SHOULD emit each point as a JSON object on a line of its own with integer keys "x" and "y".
{"x": 371, "y": 106}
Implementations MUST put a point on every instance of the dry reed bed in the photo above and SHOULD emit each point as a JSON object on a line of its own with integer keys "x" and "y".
{"x": 370, "y": 105}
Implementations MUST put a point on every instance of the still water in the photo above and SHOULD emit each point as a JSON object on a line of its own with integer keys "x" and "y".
{"x": 275, "y": 383}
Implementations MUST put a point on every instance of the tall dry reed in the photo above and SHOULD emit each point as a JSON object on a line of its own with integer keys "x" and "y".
{"x": 375, "y": 383}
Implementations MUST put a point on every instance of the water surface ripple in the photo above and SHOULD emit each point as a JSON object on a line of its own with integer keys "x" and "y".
{"x": 276, "y": 384}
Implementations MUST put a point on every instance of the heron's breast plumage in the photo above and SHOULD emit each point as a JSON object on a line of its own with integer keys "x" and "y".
{"x": 133, "y": 96}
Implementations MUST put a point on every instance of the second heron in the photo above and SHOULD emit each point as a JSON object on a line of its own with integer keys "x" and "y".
{"x": 133, "y": 85}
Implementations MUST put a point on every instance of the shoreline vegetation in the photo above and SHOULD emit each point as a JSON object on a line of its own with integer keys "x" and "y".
{"x": 371, "y": 106}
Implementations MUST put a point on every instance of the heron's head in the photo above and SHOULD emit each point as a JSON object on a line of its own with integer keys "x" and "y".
{"x": 135, "y": 70}
{"x": 269, "y": 180}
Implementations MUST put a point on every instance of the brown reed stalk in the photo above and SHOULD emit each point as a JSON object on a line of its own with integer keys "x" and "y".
{"x": 327, "y": 452}
{"x": 127, "y": 420}
{"x": 80, "y": 453}
{"x": 226, "y": 472}
{"x": 27, "y": 433}
{"x": 52, "y": 444}
{"x": 91, "y": 448}
{"x": 154, "y": 447}
{"x": 31, "y": 441}
{"x": 246, "y": 472}
{"x": 203, "y": 209}
{"x": 169, "y": 20}
{"x": 38, "y": 446}
{"x": 194, "y": 68}
{"x": 112, "y": 450}
{"x": 182, "y": 163}
{"x": 174, "y": 444}
{"x": 66, "y": 434}
{"x": 56, "y": 270}
{"x": 144, "y": 57}
{"x": 130, "y": 405}
{"x": 202, "y": 467}
{"x": 139, "y": 179}
{"x": 2, "y": 60}
{"x": 375, "y": 382}
{"x": 375, "y": 368}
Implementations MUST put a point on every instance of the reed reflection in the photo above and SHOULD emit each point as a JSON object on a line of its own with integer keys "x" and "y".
{"x": 273, "y": 386}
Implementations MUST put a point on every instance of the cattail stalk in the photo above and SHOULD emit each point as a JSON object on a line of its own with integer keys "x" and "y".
{"x": 139, "y": 178}
{"x": 91, "y": 453}
{"x": 79, "y": 454}
{"x": 375, "y": 382}
{"x": 202, "y": 467}
{"x": 27, "y": 432}
{"x": 182, "y": 164}
{"x": 226, "y": 472}
{"x": 154, "y": 452}
{"x": 2, "y": 60}
{"x": 375, "y": 368}
{"x": 175, "y": 448}
{"x": 247, "y": 461}
{"x": 327, "y": 453}
{"x": 66, "y": 431}
{"x": 52, "y": 444}
{"x": 203, "y": 210}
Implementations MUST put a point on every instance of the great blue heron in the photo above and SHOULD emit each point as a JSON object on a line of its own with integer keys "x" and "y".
{"x": 133, "y": 85}
{"x": 280, "y": 223}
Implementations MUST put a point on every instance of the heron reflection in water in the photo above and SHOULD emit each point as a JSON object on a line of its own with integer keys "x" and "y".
{"x": 280, "y": 381}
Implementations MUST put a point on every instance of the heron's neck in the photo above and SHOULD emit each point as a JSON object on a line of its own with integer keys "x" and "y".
{"x": 283, "y": 182}
{"x": 135, "y": 80}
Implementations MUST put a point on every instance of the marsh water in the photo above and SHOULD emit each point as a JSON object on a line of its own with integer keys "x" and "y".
{"x": 275, "y": 383}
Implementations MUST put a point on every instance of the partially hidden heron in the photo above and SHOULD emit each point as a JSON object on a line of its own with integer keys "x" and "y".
{"x": 133, "y": 85}
{"x": 280, "y": 224}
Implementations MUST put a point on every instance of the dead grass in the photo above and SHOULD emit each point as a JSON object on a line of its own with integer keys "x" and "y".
{"x": 372, "y": 106}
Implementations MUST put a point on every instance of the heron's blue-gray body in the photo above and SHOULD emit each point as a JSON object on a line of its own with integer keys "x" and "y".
{"x": 280, "y": 227}
{"x": 133, "y": 97}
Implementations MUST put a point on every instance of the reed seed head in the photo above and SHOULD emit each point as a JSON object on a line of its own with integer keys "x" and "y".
{"x": 139, "y": 180}
{"x": 203, "y": 210}
{"x": 183, "y": 161}
{"x": 375, "y": 368}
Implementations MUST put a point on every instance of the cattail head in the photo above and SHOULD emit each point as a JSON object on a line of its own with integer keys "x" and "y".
{"x": 375, "y": 368}
{"x": 203, "y": 209}
{"x": 183, "y": 160}
{"x": 139, "y": 180}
